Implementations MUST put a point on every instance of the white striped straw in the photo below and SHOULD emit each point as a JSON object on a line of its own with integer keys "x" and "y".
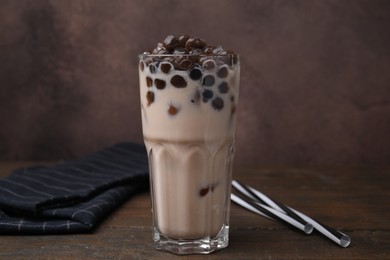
{"x": 246, "y": 205}
{"x": 269, "y": 212}
{"x": 334, "y": 235}
{"x": 240, "y": 188}
{"x": 279, "y": 207}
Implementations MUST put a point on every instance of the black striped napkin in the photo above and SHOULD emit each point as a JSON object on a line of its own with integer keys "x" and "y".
{"x": 73, "y": 196}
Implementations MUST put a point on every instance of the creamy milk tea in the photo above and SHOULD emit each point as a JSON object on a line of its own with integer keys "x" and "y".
{"x": 189, "y": 93}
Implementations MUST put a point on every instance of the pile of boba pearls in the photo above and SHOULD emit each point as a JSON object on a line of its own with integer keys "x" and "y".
{"x": 208, "y": 65}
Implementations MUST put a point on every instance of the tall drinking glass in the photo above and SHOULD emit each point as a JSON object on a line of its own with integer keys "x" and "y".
{"x": 188, "y": 106}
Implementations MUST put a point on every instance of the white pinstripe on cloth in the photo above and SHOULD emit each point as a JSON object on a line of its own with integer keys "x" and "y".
{"x": 73, "y": 196}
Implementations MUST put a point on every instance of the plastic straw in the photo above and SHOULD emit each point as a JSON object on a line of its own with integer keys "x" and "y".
{"x": 246, "y": 205}
{"x": 261, "y": 199}
{"x": 336, "y": 236}
{"x": 271, "y": 213}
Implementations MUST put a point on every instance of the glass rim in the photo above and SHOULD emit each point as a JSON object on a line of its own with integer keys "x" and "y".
{"x": 213, "y": 55}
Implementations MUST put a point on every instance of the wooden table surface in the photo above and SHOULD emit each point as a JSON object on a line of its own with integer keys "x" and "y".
{"x": 353, "y": 200}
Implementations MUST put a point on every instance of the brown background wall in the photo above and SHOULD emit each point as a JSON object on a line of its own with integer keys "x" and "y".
{"x": 315, "y": 85}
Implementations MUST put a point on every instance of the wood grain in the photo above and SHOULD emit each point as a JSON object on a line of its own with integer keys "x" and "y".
{"x": 354, "y": 200}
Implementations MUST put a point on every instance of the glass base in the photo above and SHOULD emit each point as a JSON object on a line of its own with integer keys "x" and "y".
{"x": 204, "y": 245}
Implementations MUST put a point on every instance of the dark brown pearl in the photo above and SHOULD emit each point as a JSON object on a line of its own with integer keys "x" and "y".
{"x": 178, "y": 81}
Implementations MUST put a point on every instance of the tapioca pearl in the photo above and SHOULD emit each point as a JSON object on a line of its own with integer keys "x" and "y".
{"x": 208, "y": 80}
{"x": 159, "y": 83}
{"x": 185, "y": 64}
{"x": 209, "y": 65}
{"x": 207, "y": 95}
{"x": 195, "y": 74}
{"x": 217, "y": 103}
{"x": 223, "y": 72}
{"x": 232, "y": 98}
{"x": 150, "y": 97}
{"x": 157, "y": 63}
{"x": 208, "y": 49}
{"x": 180, "y": 51}
{"x": 195, "y": 43}
{"x": 162, "y": 51}
{"x": 195, "y": 56}
{"x": 195, "y": 52}
{"x": 168, "y": 59}
{"x": 203, "y": 192}
{"x": 172, "y": 110}
{"x": 223, "y": 88}
{"x": 217, "y": 49}
{"x": 148, "y": 61}
{"x": 165, "y": 67}
{"x": 149, "y": 81}
{"x": 141, "y": 65}
{"x": 178, "y": 81}
{"x": 152, "y": 68}
{"x": 183, "y": 39}
{"x": 175, "y": 62}
{"x": 170, "y": 43}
